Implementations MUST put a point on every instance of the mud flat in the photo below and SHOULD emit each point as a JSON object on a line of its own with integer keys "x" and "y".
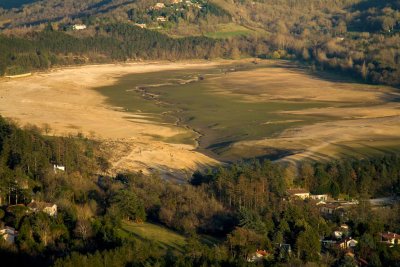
{"x": 65, "y": 100}
{"x": 177, "y": 117}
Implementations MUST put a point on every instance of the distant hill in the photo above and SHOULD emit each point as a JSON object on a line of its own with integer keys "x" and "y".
{"x": 358, "y": 37}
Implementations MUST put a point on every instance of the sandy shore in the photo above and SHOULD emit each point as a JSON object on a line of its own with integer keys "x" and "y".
{"x": 65, "y": 100}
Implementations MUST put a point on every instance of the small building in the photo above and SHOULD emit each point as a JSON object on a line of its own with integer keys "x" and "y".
{"x": 348, "y": 243}
{"x": 58, "y": 168}
{"x": 78, "y": 27}
{"x": 344, "y": 227}
{"x": 161, "y": 19}
{"x": 258, "y": 256}
{"x": 329, "y": 208}
{"x": 322, "y": 197}
{"x": 8, "y": 234}
{"x": 338, "y": 234}
{"x": 49, "y": 208}
{"x": 159, "y": 6}
{"x": 298, "y": 193}
{"x": 390, "y": 238}
{"x": 141, "y": 25}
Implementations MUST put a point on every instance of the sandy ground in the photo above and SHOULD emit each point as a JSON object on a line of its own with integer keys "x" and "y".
{"x": 288, "y": 84}
{"x": 369, "y": 120}
{"x": 65, "y": 100}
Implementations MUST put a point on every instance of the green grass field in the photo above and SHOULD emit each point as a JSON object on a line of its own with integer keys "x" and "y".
{"x": 164, "y": 238}
{"x": 229, "y": 30}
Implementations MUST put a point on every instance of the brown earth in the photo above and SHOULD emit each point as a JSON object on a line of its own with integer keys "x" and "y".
{"x": 64, "y": 99}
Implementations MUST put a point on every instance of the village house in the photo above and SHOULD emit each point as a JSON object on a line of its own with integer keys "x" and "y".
{"x": 158, "y": 6}
{"x": 348, "y": 243}
{"x": 390, "y": 238}
{"x": 161, "y": 19}
{"x": 141, "y": 25}
{"x": 258, "y": 256}
{"x": 58, "y": 168}
{"x": 49, "y": 208}
{"x": 338, "y": 234}
{"x": 78, "y": 27}
{"x": 8, "y": 234}
{"x": 322, "y": 197}
{"x": 331, "y": 208}
{"x": 298, "y": 193}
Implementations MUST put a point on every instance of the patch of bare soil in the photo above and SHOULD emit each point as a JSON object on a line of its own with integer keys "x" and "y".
{"x": 64, "y": 99}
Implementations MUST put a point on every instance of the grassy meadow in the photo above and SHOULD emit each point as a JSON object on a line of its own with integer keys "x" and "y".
{"x": 163, "y": 237}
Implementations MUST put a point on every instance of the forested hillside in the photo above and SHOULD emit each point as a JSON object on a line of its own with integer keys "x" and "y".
{"x": 113, "y": 42}
{"x": 244, "y": 207}
{"x": 359, "y": 38}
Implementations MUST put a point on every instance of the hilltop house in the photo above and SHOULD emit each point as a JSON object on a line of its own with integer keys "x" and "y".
{"x": 390, "y": 238}
{"x": 49, "y": 208}
{"x": 298, "y": 193}
{"x": 77, "y": 27}
{"x": 8, "y": 234}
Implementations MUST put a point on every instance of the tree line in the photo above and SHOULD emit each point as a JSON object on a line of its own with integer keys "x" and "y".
{"x": 244, "y": 206}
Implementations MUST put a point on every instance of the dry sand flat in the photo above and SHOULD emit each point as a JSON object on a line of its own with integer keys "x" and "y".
{"x": 64, "y": 100}
{"x": 369, "y": 120}
{"x": 283, "y": 82}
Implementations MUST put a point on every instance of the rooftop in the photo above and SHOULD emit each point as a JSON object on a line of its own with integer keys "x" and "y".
{"x": 390, "y": 235}
{"x": 296, "y": 191}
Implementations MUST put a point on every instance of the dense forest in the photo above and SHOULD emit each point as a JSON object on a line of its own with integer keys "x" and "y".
{"x": 244, "y": 206}
{"x": 114, "y": 42}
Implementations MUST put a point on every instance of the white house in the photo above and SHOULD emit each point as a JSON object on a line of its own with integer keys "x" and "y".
{"x": 161, "y": 19}
{"x": 141, "y": 25}
{"x": 78, "y": 27}
{"x": 159, "y": 6}
{"x": 8, "y": 234}
{"x": 322, "y": 197}
{"x": 49, "y": 208}
{"x": 58, "y": 168}
{"x": 298, "y": 193}
{"x": 348, "y": 243}
{"x": 338, "y": 234}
